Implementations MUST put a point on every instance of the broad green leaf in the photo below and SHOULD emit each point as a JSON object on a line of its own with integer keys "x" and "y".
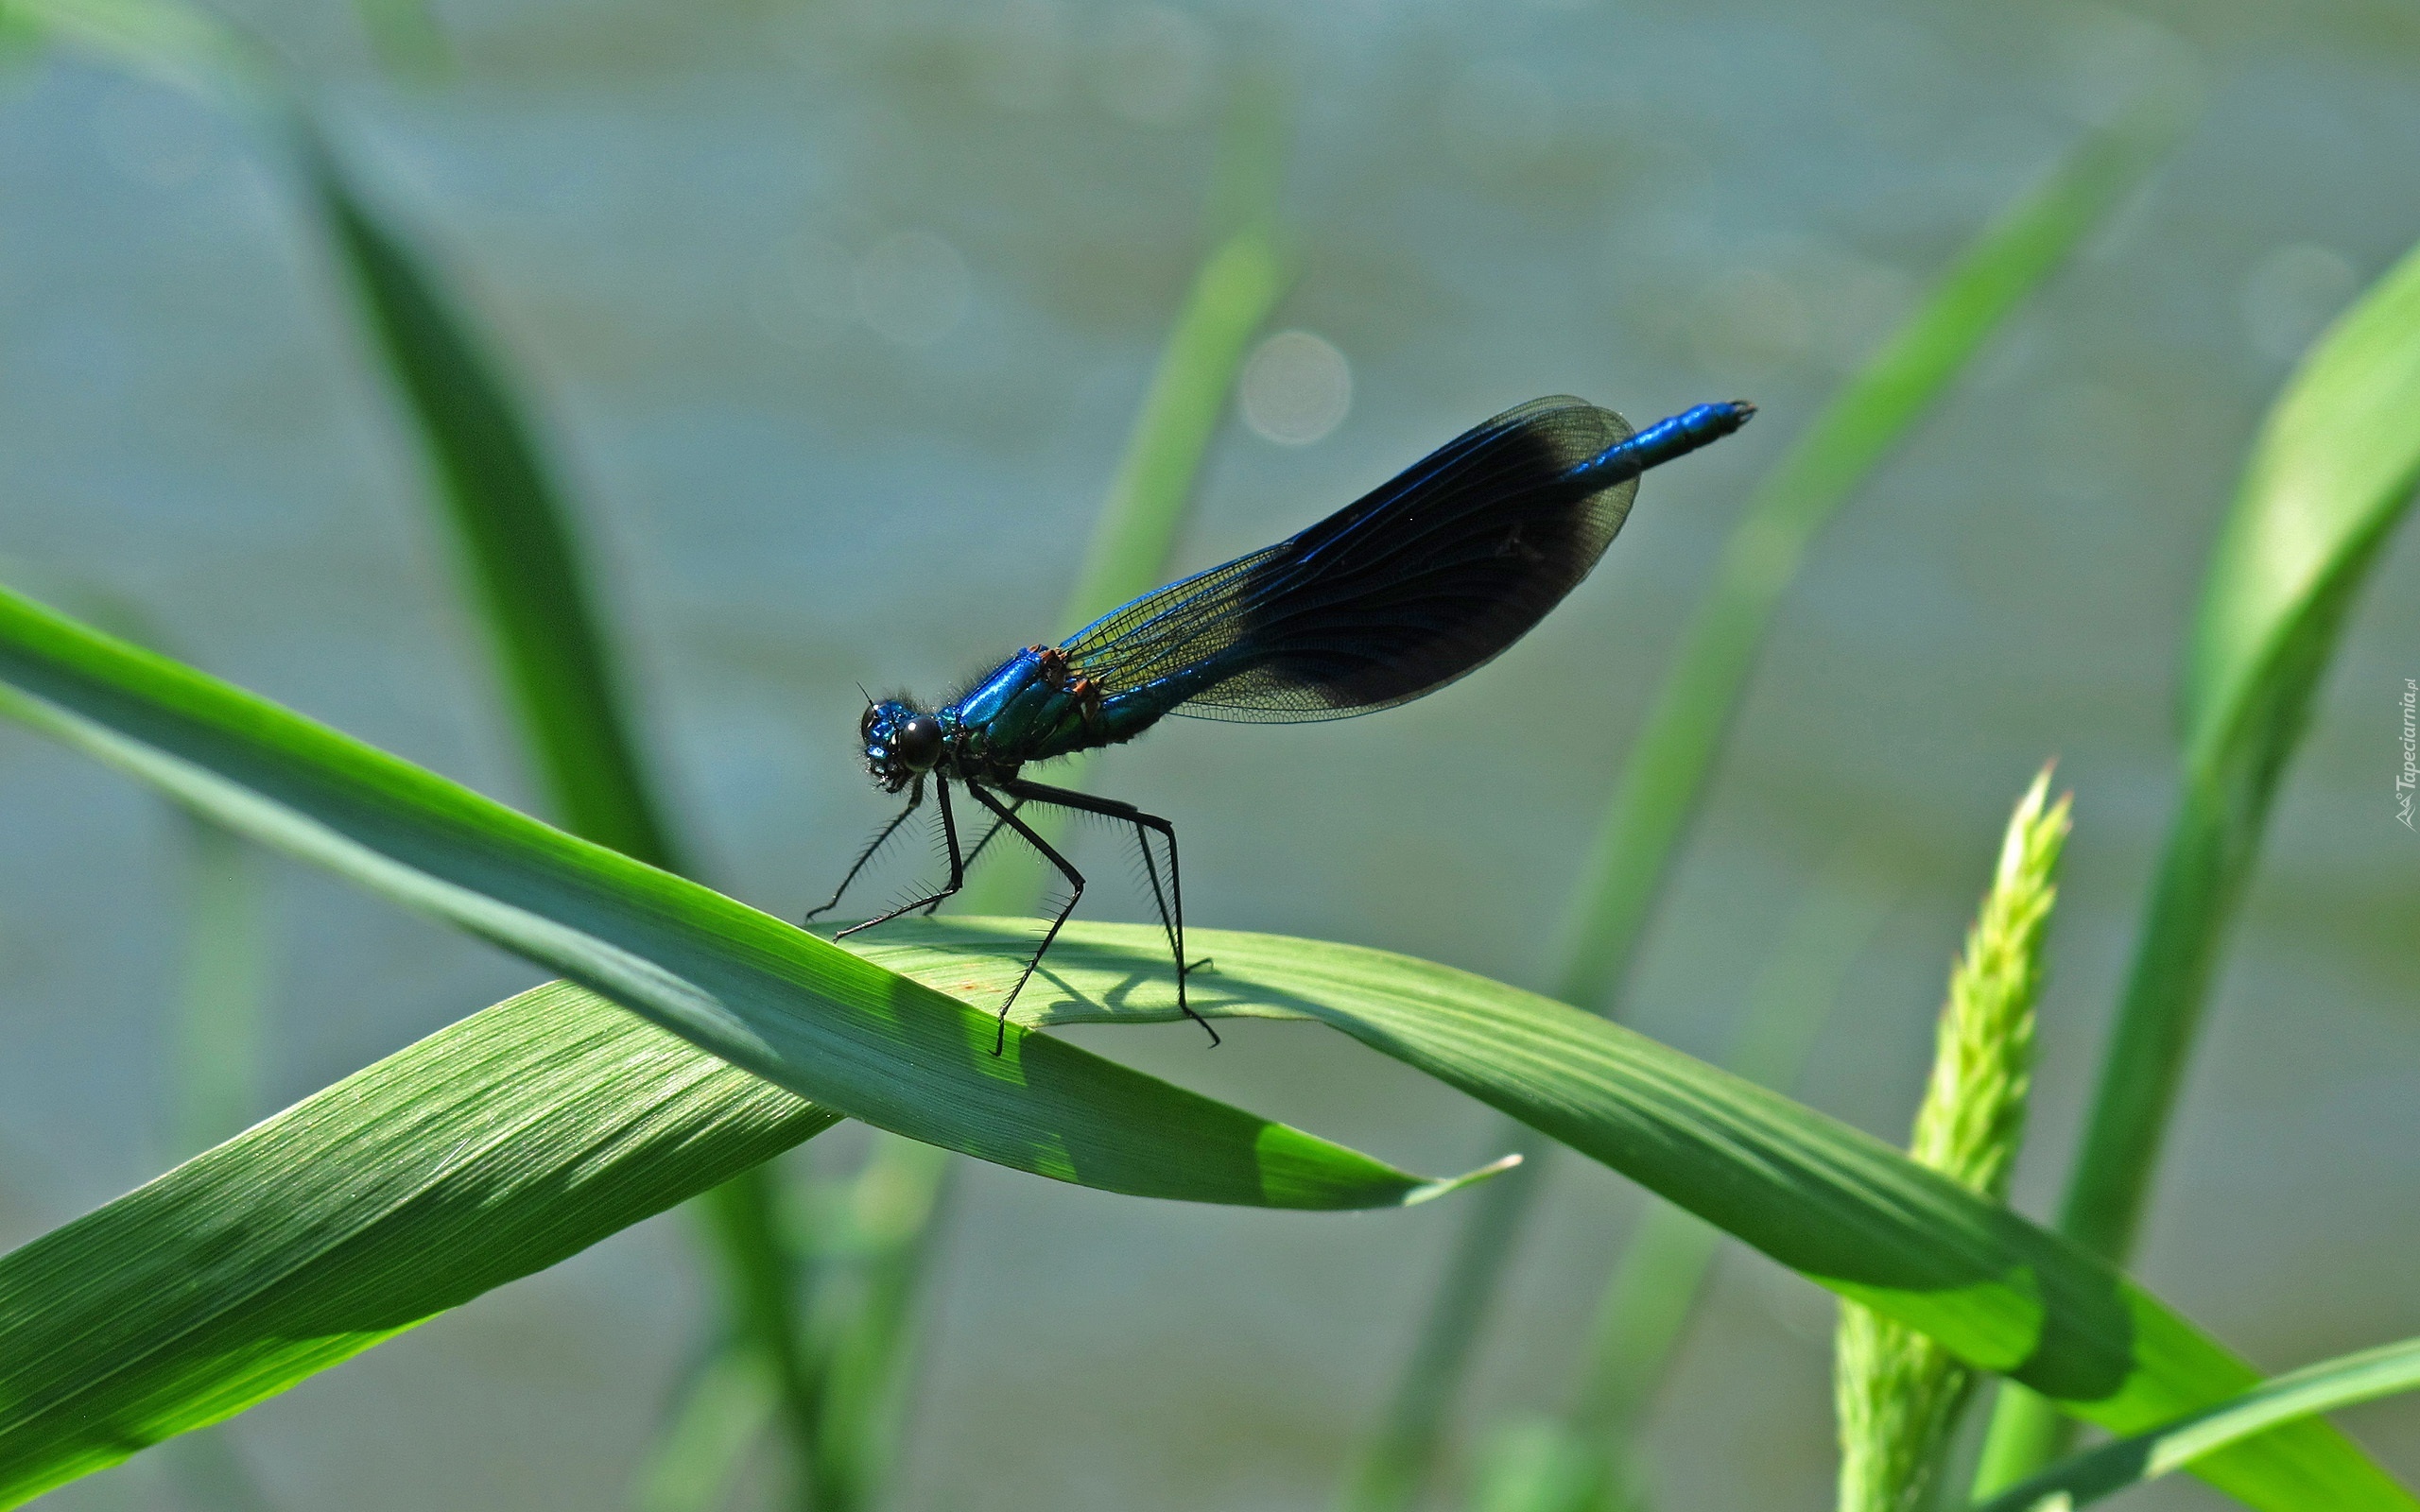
{"x": 2332, "y": 473}
{"x": 794, "y": 1010}
{"x": 488, "y": 1151}
{"x": 1836, "y": 1205}
{"x": 504, "y": 1142}
{"x": 1657, "y": 792}
{"x": 2344, "y": 1382}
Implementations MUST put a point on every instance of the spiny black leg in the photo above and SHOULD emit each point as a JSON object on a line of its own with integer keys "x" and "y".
{"x": 1075, "y": 881}
{"x": 1173, "y": 923}
{"x": 915, "y": 800}
{"x": 977, "y": 854}
{"x": 956, "y": 867}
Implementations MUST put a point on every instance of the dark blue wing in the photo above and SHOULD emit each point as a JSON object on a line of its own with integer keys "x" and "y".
{"x": 1406, "y": 590}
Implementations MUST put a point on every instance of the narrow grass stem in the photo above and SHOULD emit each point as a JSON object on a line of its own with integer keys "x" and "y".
{"x": 1657, "y": 792}
{"x": 1231, "y": 298}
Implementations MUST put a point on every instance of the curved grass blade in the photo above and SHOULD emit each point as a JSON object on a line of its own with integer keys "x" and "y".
{"x": 504, "y": 1142}
{"x": 518, "y": 548}
{"x": 1660, "y": 784}
{"x": 1836, "y": 1205}
{"x": 2343, "y": 1382}
{"x": 521, "y": 561}
{"x": 794, "y": 1010}
{"x": 1659, "y": 788}
{"x": 486, "y": 1152}
{"x": 2332, "y": 473}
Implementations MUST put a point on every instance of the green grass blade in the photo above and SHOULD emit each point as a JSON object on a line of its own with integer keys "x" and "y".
{"x": 522, "y": 567}
{"x": 1658, "y": 789}
{"x": 2344, "y": 1382}
{"x": 517, "y": 546}
{"x": 1834, "y": 1204}
{"x": 1668, "y": 766}
{"x": 1231, "y": 298}
{"x": 1399, "y": 1458}
{"x": 1585, "y": 1458}
{"x": 505, "y": 1141}
{"x": 518, "y": 551}
{"x": 794, "y": 1010}
{"x": 486, "y": 1152}
{"x": 2332, "y": 473}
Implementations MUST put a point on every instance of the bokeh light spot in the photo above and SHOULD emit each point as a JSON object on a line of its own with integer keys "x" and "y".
{"x": 1296, "y": 388}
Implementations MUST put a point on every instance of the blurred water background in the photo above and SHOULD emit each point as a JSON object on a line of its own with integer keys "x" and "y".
{"x": 839, "y": 312}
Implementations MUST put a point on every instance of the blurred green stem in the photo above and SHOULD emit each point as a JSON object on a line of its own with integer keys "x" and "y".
{"x": 219, "y": 1047}
{"x": 525, "y": 573}
{"x": 876, "y": 1248}
{"x": 1586, "y": 1462}
{"x": 1231, "y": 298}
{"x": 218, "y": 1054}
{"x": 1658, "y": 790}
{"x": 404, "y": 34}
{"x": 722, "y": 1410}
{"x": 1654, "y": 1289}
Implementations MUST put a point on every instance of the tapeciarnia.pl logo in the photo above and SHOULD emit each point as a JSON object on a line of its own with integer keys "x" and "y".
{"x": 2410, "y": 776}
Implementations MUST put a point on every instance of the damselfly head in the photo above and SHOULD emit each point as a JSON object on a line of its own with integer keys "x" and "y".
{"x": 901, "y": 742}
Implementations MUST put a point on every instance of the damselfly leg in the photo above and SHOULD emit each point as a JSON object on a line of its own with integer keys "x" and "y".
{"x": 977, "y": 854}
{"x": 1171, "y": 920}
{"x": 1076, "y": 891}
{"x": 956, "y": 864}
{"x": 881, "y": 837}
